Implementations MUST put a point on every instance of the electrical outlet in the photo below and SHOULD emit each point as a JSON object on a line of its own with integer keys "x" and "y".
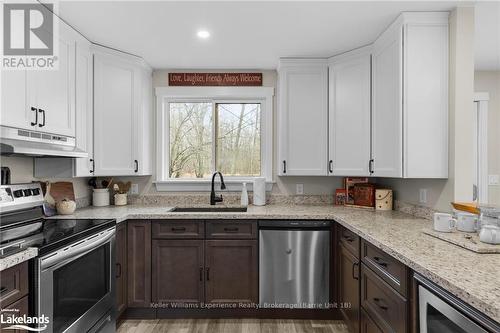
{"x": 134, "y": 189}
{"x": 422, "y": 195}
{"x": 299, "y": 188}
{"x": 493, "y": 179}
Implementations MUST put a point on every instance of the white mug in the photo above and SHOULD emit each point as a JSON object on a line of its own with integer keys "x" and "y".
{"x": 490, "y": 234}
{"x": 466, "y": 222}
{"x": 444, "y": 222}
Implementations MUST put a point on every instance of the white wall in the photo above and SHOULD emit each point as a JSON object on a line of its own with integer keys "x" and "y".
{"x": 489, "y": 81}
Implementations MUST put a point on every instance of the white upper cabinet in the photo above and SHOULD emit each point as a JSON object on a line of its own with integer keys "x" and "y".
{"x": 15, "y": 111}
{"x": 84, "y": 167}
{"x": 425, "y": 107}
{"x": 52, "y": 92}
{"x": 387, "y": 116}
{"x": 119, "y": 112}
{"x": 349, "y": 113}
{"x": 410, "y": 98}
{"x": 303, "y": 117}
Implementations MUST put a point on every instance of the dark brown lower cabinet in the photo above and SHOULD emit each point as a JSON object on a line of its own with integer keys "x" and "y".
{"x": 178, "y": 271}
{"x": 231, "y": 271}
{"x": 139, "y": 263}
{"x": 368, "y": 325}
{"x": 21, "y": 307}
{"x": 121, "y": 268}
{"x": 349, "y": 288}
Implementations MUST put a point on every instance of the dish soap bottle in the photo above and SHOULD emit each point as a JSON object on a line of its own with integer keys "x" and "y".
{"x": 244, "y": 195}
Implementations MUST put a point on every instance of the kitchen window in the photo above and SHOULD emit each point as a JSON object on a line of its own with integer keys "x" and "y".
{"x": 230, "y": 131}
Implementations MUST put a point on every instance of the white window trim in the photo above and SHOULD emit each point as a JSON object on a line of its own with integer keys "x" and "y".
{"x": 264, "y": 95}
{"x": 481, "y": 149}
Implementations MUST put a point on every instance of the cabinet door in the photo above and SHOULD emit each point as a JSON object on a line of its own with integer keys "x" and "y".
{"x": 387, "y": 122}
{"x": 53, "y": 91}
{"x": 178, "y": 274}
{"x": 83, "y": 167}
{"x": 303, "y": 119}
{"x": 139, "y": 263}
{"x": 17, "y": 309}
{"x": 349, "y": 288}
{"x": 15, "y": 111}
{"x": 116, "y": 83}
{"x": 368, "y": 325}
{"x": 349, "y": 115}
{"x": 144, "y": 125}
{"x": 121, "y": 268}
{"x": 231, "y": 271}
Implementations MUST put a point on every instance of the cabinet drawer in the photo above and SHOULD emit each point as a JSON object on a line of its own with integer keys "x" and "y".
{"x": 13, "y": 284}
{"x": 350, "y": 240}
{"x": 177, "y": 229}
{"x": 389, "y": 269}
{"x": 384, "y": 305}
{"x": 230, "y": 229}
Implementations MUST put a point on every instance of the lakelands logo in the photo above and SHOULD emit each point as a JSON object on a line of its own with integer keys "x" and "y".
{"x": 28, "y": 35}
{"x": 13, "y": 321}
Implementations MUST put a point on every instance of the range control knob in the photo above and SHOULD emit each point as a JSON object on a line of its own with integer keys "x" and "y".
{"x": 27, "y": 192}
{"x": 35, "y": 191}
{"x": 18, "y": 193}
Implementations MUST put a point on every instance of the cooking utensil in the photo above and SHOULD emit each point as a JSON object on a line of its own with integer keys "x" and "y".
{"x": 469, "y": 207}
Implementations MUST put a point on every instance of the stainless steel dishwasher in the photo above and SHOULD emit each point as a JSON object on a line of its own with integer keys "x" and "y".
{"x": 294, "y": 264}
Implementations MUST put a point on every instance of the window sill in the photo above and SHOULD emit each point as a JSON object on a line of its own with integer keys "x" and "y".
{"x": 232, "y": 185}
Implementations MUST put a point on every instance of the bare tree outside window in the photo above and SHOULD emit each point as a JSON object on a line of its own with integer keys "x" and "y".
{"x": 190, "y": 140}
{"x": 238, "y": 139}
{"x": 237, "y": 133}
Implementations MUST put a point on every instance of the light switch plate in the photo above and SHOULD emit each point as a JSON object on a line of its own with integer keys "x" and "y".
{"x": 134, "y": 189}
{"x": 299, "y": 188}
{"x": 493, "y": 179}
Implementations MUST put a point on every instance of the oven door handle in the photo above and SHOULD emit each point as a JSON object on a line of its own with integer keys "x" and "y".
{"x": 77, "y": 249}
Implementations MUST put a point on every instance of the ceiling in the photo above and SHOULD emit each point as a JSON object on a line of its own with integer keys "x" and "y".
{"x": 244, "y": 34}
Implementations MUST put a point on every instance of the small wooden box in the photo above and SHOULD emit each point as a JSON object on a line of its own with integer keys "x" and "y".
{"x": 364, "y": 195}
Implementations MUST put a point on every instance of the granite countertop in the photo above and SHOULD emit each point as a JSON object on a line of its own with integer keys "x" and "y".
{"x": 472, "y": 277}
{"x": 17, "y": 258}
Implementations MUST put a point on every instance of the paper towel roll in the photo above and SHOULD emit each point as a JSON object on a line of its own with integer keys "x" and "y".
{"x": 259, "y": 191}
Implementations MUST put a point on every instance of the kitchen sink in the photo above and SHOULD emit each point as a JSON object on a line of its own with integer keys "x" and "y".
{"x": 210, "y": 209}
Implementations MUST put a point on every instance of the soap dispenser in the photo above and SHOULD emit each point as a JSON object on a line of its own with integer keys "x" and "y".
{"x": 244, "y": 195}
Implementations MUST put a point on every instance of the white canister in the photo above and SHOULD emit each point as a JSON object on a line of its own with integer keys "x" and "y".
{"x": 259, "y": 191}
{"x": 120, "y": 199}
{"x": 383, "y": 199}
{"x": 100, "y": 197}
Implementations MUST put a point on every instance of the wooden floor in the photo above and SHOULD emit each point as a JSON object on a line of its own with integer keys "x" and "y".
{"x": 231, "y": 326}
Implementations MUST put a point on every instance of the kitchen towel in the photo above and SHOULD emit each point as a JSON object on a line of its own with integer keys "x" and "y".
{"x": 259, "y": 191}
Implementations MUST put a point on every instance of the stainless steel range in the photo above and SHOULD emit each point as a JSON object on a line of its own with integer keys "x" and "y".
{"x": 74, "y": 272}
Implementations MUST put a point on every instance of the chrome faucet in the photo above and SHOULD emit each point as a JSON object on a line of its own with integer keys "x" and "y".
{"x": 216, "y": 198}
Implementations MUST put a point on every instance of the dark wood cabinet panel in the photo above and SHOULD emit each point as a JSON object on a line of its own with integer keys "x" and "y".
{"x": 22, "y": 306}
{"x": 178, "y": 229}
{"x": 368, "y": 325}
{"x": 178, "y": 271}
{"x": 121, "y": 268}
{"x": 388, "y": 268}
{"x": 349, "y": 288}
{"x": 231, "y": 271}
{"x": 231, "y": 229}
{"x": 384, "y": 304}
{"x": 350, "y": 240}
{"x": 14, "y": 284}
{"x": 139, "y": 263}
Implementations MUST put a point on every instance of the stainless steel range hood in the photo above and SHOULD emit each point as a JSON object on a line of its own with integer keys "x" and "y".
{"x": 14, "y": 141}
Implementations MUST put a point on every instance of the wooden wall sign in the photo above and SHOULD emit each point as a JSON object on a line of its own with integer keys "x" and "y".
{"x": 215, "y": 79}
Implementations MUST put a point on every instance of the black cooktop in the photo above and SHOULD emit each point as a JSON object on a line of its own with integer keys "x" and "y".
{"x": 50, "y": 234}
